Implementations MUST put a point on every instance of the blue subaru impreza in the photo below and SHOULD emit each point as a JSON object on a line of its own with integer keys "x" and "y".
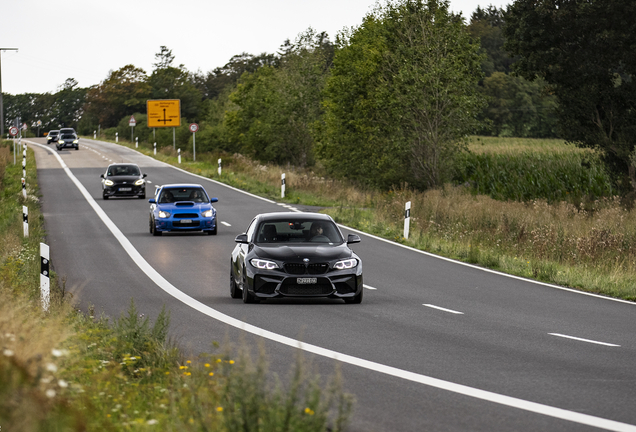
{"x": 182, "y": 207}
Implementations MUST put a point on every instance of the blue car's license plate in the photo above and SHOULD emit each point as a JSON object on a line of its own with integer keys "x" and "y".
{"x": 186, "y": 220}
{"x": 306, "y": 281}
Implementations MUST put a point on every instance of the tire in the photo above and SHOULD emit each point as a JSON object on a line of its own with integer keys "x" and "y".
{"x": 212, "y": 232}
{"x": 153, "y": 228}
{"x": 142, "y": 196}
{"x": 235, "y": 292}
{"x": 77, "y": 148}
{"x": 247, "y": 297}
{"x": 356, "y": 299}
{"x": 105, "y": 197}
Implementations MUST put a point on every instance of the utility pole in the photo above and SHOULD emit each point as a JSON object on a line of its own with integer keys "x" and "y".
{"x": 1, "y": 106}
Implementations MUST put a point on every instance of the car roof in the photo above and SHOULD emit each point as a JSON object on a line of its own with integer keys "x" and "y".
{"x": 123, "y": 163}
{"x": 180, "y": 185}
{"x": 293, "y": 216}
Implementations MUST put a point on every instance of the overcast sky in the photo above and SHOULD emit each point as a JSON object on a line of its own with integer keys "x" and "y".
{"x": 85, "y": 39}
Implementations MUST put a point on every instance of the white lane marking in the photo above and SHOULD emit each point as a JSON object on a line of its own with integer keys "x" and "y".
{"x": 443, "y": 309}
{"x": 225, "y": 223}
{"x": 369, "y": 287}
{"x": 583, "y": 340}
{"x": 162, "y": 283}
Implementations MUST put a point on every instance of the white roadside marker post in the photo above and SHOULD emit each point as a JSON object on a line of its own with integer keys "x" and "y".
{"x": 45, "y": 285}
{"x": 94, "y": 134}
{"x": 154, "y": 146}
{"x": 25, "y": 220}
{"x": 24, "y": 195}
{"x": 116, "y": 137}
{"x": 282, "y": 185}
{"x": 136, "y": 142}
{"x": 219, "y": 166}
{"x": 407, "y": 219}
{"x": 179, "y": 155}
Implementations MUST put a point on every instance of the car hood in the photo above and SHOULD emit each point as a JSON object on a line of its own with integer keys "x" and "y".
{"x": 124, "y": 179}
{"x": 185, "y": 206}
{"x": 296, "y": 253}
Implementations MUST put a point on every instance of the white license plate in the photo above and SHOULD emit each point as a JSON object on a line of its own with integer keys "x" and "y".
{"x": 125, "y": 189}
{"x": 186, "y": 220}
{"x": 306, "y": 281}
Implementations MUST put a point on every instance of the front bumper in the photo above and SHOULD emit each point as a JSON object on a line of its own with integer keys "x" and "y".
{"x": 340, "y": 284}
{"x": 67, "y": 144}
{"x": 124, "y": 190}
{"x": 194, "y": 223}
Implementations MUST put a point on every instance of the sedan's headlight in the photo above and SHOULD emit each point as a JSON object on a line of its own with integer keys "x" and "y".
{"x": 264, "y": 264}
{"x": 164, "y": 214}
{"x": 109, "y": 182}
{"x": 208, "y": 213}
{"x": 346, "y": 264}
{"x": 139, "y": 182}
{"x": 75, "y": 141}
{"x": 61, "y": 141}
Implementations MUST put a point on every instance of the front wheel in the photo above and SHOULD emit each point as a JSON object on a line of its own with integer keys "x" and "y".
{"x": 356, "y": 299}
{"x": 235, "y": 292}
{"x": 153, "y": 228}
{"x": 247, "y": 297}
{"x": 212, "y": 232}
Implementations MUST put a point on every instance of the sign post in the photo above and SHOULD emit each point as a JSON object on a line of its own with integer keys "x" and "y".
{"x": 194, "y": 128}
{"x": 132, "y": 123}
{"x": 45, "y": 285}
{"x": 407, "y": 219}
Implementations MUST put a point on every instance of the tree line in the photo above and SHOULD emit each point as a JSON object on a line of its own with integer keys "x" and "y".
{"x": 391, "y": 100}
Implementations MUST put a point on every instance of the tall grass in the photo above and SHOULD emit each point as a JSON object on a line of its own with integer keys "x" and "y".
{"x": 64, "y": 370}
{"x": 533, "y": 169}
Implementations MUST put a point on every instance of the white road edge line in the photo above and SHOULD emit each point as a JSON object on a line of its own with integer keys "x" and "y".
{"x": 369, "y": 287}
{"x": 583, "y": 340}
{"x": 162, "y": 283}
{"x": 226, "y": 224}
{"x": 443, "y": 309}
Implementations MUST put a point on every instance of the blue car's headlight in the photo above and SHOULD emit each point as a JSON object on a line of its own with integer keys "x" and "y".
{"x": 346, "y": 264}
{"x": 264, "y": 264}
{"x": 208, "y": 213}
{"x": 164, "y": 214}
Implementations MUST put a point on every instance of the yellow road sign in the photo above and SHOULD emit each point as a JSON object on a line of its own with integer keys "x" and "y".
{"x": 164, "y": 113}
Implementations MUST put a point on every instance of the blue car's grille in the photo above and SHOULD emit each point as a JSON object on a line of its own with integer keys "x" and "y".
{"x": 186, "y": 216}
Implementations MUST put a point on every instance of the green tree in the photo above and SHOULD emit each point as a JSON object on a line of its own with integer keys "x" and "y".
{"x": 278, "y": 106}
{"x": 122, "y": 93}
{"x": 169, "y": 82}
{"x": 69, "y": 104}
{"x": 586, "y": 53}
{"x": 402, "y": 96}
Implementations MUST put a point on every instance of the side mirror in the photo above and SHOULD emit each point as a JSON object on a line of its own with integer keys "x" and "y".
{"x": 101, "y": 175}
{"x": 145, "y": 175}
{"x": 241, "y": 238}
{"x": 152, "y": 201}
{"x": 353, "y": 238}
{"x": 214, "y": 200}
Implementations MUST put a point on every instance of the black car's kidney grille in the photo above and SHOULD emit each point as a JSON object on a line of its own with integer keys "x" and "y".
{"x": 312, "y": 269}
{"x": 290, "y": 287}
{"x": 186, "y": 215}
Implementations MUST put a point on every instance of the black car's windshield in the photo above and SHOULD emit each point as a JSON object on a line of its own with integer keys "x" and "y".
{"x": 123, "y": 170}
{"x": 53, "y": 133}
{"x": 67, "y": 137}
{"x": 298, "y": 231}
{"x": 194, "y": 194}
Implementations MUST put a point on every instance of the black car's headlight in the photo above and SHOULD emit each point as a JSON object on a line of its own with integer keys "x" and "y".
{"x": 139, "y": 182}
{"x": 109, "y": 182}
{"x": 164, "y": 214}
{"x": 61, "y": 141}
{"x": 264, "y": 264}
{"x": 346, "y": 264}
{"x": 75, "y": 141}
{"x": 207, "y": 213}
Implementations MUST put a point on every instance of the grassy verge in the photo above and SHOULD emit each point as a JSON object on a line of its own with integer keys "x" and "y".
{"x": 591, "y": 247}
{"x": 65, "y": 371}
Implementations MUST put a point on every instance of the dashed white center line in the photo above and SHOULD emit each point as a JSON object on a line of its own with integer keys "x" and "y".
{"x": 225, "y": 223}
{"x": 443, "y": 309}
{"x": 583, "y": 340}
{"x": 369, "y": 287}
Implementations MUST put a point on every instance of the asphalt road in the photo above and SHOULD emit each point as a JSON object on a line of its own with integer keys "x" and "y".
{"x": 435, "y": 345}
